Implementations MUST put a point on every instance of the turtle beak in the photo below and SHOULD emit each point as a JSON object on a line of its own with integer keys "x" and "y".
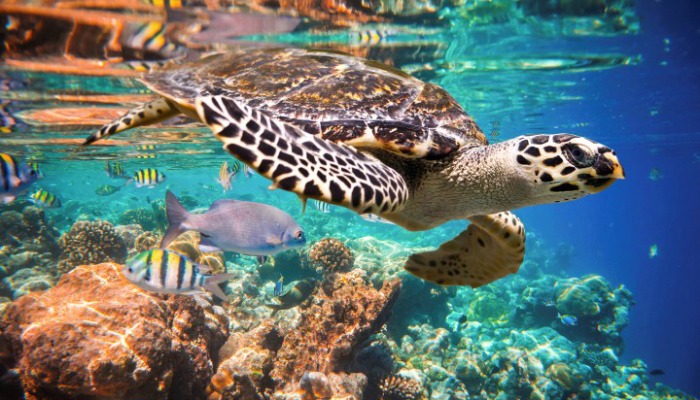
{"x": 608, "y": 170}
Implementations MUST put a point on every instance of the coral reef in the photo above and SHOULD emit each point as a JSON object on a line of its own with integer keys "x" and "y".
{"x": 90, "y": 242}
{"x": 129, "y": 233}
{"x": 145, "y": 241}
{"x": 26, "y": 240}
{"x": 329, "y": 256}
{"x": 94, "y": 335}
{"x": 323, "y": 338}
{"x": 150, "y": 219}
{"x": 399, "y": 387}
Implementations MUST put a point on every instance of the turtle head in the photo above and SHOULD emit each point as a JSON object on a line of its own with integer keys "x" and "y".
{"x": 565, "y": 167}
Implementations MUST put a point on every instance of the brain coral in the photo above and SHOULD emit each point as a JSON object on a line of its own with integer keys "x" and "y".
{"x": 90, "y": 242}
{"x": 331, "y": 255}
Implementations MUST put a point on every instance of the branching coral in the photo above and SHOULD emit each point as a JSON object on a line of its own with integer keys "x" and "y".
{"x": 330, "y": 255}
{"x": 399, "y": 387}
{"x": 90, "y": 242}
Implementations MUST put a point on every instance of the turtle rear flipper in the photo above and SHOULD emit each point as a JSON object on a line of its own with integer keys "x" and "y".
{"x": 302, "y": 163}
{"x": 492, "y": 247}
{"x": 145, "y": 114}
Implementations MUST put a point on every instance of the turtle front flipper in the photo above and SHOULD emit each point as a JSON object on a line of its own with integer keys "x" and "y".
{"x": 146, "y": 114}
{"x": 492, "y": 247}
{"x": 302, "y": 163}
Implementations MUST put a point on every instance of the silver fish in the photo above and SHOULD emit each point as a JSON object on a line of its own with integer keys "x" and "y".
{"x": 230, "y": 225}
{"x": 169, "y": 272}
{"x": 15, "y": 178}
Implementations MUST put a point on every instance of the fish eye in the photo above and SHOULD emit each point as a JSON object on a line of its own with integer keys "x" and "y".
{"x": 579, "y": 156}
{"x": 131, "y": 270}
{"x": 299, "y": 235}
{"x": 32, "y": 172}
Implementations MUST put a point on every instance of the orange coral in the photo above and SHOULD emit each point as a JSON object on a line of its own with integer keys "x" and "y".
{"x": 331, "y": 255}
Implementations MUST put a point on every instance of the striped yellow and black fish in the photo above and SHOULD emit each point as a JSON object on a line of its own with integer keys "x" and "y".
{"x": 169, "y": 272}
{"x": 15, "y": 178}
{"x": 35, "y": 166}
{"x": 148, "y": 177}
{"x": 45, "y": 199}
{"x": 321, "y": 206}
{"x": 115, "y": 170}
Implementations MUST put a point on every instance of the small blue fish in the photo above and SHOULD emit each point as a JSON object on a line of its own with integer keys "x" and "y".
{"x": 653, "y": 251}
{"x": 279, "y": 285}
{"x": 569, "y": 320}
{"x": 15, "y": 178}
{"x": 655, "y": 174}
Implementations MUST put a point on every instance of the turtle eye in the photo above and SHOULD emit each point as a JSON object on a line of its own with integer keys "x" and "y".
{"x": 579, "y": 156}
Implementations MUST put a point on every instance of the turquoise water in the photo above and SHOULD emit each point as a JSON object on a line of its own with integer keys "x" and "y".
{"x": 621, "y": 73}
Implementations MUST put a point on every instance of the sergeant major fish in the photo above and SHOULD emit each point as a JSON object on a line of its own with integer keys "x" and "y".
{"x": 230, "y": 225}
{"x": 45, "y": 199}
{"x": 15, "y": 178}
{"x": 147, "y": 177}
{"x": 165, "y": 271}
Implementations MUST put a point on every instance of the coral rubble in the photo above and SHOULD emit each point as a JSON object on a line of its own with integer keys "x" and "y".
{"x": 78, "y": 340}
{"x": 315, "y": 350}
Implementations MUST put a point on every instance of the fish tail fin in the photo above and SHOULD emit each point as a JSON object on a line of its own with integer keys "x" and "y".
{"x": 177, "y": 215}
{"x": 212, "y": 284}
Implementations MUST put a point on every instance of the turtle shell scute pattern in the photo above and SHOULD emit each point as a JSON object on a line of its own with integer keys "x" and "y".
{"x": 319, "y": 91}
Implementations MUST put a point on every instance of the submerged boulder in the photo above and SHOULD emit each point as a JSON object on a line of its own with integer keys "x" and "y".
{"x": 95, "y": 335}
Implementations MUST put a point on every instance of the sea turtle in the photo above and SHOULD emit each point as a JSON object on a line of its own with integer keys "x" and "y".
{"x": 371, "y": 138}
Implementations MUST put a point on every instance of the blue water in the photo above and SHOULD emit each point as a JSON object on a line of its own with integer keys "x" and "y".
{"x": 612, "y": 232}
{"x": 646, "y": 109}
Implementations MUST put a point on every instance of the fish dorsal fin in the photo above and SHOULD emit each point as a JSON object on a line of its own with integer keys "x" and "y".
{"x": 203, "y": 269}
{"x": 221, "y": 203}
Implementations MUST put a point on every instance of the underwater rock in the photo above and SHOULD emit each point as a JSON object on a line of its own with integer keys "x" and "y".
{"x": 28, "y": 280}
{"x": 329, "y": 256}
{"x": 323, "y": 337}
{"x": 90, "y": 242}
{"x": 94, "y": 335}
{"x": 315, "y": 385}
